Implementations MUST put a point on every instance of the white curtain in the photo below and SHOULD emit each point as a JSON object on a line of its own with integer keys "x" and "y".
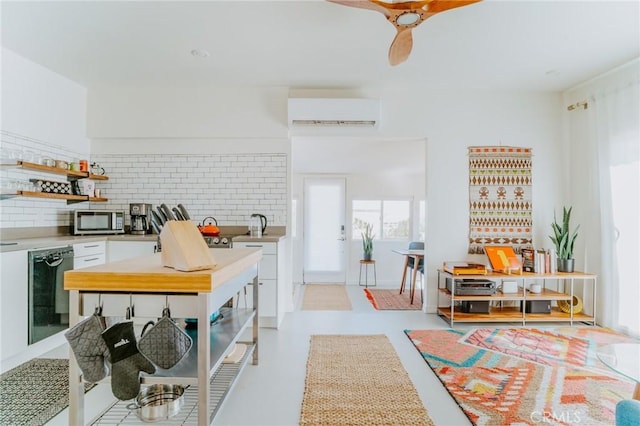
{"x": 613, "y": 145}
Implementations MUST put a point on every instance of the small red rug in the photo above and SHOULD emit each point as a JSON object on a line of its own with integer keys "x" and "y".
{"x": 387, "y": 300}
{"x": 527, "y": 376}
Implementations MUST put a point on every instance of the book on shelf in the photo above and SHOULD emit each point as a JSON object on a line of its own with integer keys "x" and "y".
{"x": 539, "y": 261}
{"x": 528, "y": 259}
{"x": 503, "y": 259}
{"x": 464, "y": 268}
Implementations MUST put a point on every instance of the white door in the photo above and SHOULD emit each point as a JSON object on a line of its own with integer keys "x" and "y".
{"x": 324, "y": 230}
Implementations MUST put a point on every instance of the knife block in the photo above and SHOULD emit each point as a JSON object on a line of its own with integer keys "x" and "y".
{"x": 183, "y": 247}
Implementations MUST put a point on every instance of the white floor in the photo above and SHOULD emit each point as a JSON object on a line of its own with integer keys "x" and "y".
{"x": 271, "y": 393}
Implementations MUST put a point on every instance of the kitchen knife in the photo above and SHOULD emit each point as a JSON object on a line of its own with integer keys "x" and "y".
{"x": 167, "y": 212}
{"x": 159, "y": 216}
{"x": 155, "y": 225}
{"x": 178, "y": 213}
{"x": 183, "y": 210}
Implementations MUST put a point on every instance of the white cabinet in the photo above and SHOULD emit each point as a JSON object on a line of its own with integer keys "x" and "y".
{"x": 14, "y": 303}
{"x": 89, "y": 254}
{"x": 269, "y": 276}
{"x": 121, "y": 250}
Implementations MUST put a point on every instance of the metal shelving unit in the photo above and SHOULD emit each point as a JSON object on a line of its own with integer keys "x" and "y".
{"x": 222, "y": 381}
{"x": 203, "y": 363}
{"x": 452, "y": 313}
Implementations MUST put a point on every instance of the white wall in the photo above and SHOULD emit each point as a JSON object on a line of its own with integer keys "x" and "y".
{"x": 42, "y": 105}
{"x": 450, "y": 121}
{"x": 458, "y": 120}
{"x": 44, "y": 113}
{"x": 187, "y": 113}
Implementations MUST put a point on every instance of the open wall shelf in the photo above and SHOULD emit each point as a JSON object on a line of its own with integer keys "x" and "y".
{"x": 70, "y": 174}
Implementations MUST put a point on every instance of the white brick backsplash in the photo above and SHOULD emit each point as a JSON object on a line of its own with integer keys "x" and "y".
{"x": 228, "y": 187}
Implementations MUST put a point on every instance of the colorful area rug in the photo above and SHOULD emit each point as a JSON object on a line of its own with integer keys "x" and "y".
{"x": 358, "y": 380}
{"x": 326, "y": 297}
{"x": 392, "y": 299}
{"x": 499, "y": 197}
{"x": 527, "y": 376}
{"x": 34, "y": 392}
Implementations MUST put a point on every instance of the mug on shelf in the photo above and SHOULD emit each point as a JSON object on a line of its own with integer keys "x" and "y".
{"x": 49, "y": 162}
{"x": 61, "y": 164}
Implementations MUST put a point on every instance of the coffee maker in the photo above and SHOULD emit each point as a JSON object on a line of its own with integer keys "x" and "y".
{"x": 140, "y": 218}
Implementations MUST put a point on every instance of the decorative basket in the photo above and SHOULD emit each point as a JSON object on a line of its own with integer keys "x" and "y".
{"x": 566, "y": 307}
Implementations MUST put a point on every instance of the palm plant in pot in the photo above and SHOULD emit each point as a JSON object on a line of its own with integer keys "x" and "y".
{"x": 564, "y": 240}
{"x": 367, "y": 241}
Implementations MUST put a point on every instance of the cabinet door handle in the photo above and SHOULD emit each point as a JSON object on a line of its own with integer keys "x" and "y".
{"x": 91, "y": 246}
{"x": 253, "y": 245}
{"x": 92, "y": 259}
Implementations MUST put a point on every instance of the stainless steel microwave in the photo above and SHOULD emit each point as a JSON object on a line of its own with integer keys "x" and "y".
{"x": 98, "y": 222}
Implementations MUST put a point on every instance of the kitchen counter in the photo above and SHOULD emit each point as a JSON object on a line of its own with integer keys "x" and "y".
{"x": 273, "y": 236}
{"x": 146, "y": 274}
{"x": 64, "y": 240}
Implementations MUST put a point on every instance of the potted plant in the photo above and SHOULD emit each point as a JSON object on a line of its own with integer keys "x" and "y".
{"x": 564, "y": 240}
{"x": 367, "y": 241}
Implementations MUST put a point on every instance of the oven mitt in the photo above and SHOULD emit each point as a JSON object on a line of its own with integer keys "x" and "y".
{"x": 85, "y": 340}
{"x": 166, "y": 343}
{"x": 126, "y": 361}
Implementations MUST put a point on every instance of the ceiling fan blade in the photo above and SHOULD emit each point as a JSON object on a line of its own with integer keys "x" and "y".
{"x": 437, "y": 6}
{"x": 401, "y": 46}
{"x": 405, "y": 16}
{"x": 363, "y": 4}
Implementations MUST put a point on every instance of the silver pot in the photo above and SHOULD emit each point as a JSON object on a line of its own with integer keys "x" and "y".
{"x": 158, "y": 402}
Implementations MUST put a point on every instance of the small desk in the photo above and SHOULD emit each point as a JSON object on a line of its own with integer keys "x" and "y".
{"x": 623, "y": 358}
{"x": 416, "y": 255}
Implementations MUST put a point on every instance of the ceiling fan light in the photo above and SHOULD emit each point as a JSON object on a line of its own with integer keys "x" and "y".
{"x": 408, "y": 18}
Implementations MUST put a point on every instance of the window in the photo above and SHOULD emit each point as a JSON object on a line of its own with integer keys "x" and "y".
{"x": 391, "y": 219}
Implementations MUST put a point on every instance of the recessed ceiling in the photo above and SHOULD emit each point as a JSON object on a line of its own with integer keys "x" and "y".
{"x": 491, "y": 45}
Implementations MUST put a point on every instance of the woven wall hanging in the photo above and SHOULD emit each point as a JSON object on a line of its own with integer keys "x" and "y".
{"x": 499, "y": 197}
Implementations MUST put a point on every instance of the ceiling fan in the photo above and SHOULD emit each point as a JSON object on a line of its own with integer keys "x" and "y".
{"x": 404, "y": 17}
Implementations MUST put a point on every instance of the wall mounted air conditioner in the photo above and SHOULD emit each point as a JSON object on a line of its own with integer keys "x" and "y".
{"x": 334, "y": 112}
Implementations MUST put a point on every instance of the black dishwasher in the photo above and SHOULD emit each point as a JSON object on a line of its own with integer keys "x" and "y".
{"x": 48, "y": 300}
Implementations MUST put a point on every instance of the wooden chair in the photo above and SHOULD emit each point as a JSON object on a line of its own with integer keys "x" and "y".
{"x": 416, "y": 245}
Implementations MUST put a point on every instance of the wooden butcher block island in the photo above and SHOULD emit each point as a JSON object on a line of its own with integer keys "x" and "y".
{"x": 142, "y": 287}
